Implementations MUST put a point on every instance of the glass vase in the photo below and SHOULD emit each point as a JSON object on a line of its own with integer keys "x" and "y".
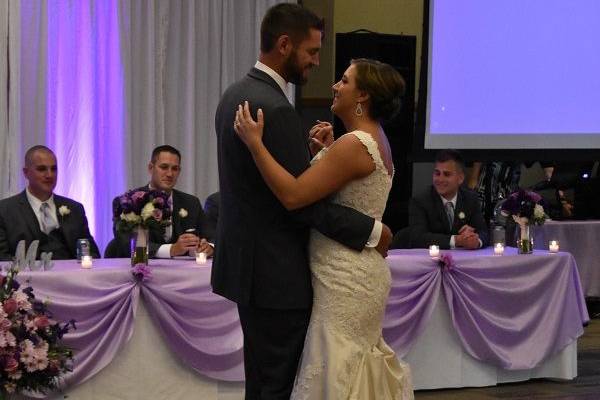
{"x": 525, "y": 239}
{"x": 139, "y": 246}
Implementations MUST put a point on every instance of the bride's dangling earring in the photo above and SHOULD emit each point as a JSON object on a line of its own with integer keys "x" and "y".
{"x": 358, "y": 111}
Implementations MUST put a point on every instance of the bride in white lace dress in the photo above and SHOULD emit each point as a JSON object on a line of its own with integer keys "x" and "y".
{"x": 345, "y": 356}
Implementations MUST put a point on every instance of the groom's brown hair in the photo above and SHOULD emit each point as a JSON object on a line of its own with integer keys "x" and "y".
{"x": 287, "y": 19}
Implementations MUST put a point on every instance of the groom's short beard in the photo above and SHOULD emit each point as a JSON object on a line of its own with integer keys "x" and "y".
{"x": 293, "y": 72}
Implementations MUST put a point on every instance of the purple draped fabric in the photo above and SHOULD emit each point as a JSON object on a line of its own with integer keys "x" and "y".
{"x": 579, "y": 238}
{"x": 513, "y": 311}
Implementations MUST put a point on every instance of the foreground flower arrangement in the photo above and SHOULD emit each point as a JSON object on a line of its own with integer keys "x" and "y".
{"x": 32, "y": 355}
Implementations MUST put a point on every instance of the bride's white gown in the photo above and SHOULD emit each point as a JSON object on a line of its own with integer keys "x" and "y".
{"x": 345, "y": 356}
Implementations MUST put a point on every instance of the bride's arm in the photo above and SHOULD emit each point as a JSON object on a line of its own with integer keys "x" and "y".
{"x": 346, "y": 160}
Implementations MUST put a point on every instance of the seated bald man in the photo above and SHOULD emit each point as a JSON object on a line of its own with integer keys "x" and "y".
{"x": 37, "y": 213}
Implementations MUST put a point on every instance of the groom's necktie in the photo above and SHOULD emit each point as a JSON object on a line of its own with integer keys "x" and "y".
{"x": 48, "y": 223}
{"x": 450, "y": 213}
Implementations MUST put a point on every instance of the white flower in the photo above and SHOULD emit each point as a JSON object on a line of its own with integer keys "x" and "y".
{"x": 147, "y": 211}
{"x": 521, "y": 221}
{"x": 538, "y": 212}
{"x": 64, "y": 210}
{"x": 183, "y": 212}
{"x": 130, "y": 217}
{"x": 461, "y": 215}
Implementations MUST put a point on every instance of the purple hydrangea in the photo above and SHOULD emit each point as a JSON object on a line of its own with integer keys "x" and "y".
{"x": 446, "y": 262}
{"x": 141, "y": 272}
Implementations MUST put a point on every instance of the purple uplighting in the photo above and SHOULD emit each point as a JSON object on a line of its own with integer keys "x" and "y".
{"x": 85, "y": 106}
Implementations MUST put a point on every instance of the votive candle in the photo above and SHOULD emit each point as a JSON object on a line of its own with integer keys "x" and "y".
{"x": 553, "y": 246}
{"x": 499, "y": 249}
{"x": 434, "y": 250}
{"x": 86, "y": 262}
{"x": 201, "y": 258}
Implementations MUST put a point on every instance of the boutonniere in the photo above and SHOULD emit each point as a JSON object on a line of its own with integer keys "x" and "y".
{"x": 183, "y": 212}
{"x": 64, "y": 210}
{"x": 461, "y": 215}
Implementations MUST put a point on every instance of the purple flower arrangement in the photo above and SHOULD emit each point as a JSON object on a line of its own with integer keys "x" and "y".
{"x": 141, "y": 272}
{"x": 526, "y": 207}
{"x": 148, "y": 209}
{"x": 445, "y": 261}
{"x": 32, "y": 355}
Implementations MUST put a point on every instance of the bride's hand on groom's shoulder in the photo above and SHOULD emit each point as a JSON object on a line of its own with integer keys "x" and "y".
{"x": 249, "y": 130}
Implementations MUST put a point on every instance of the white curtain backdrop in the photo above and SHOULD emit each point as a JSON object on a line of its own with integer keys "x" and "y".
{"x": 102, "y": 82}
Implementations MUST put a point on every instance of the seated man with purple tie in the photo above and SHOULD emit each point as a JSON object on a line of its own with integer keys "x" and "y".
{"x": 38, "y": 214}
{"x": 447, "y": 214}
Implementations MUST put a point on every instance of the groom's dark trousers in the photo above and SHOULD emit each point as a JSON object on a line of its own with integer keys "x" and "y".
{"x": 261, "y": 254}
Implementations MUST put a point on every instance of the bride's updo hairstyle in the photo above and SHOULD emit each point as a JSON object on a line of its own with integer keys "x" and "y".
{"x": 384, "y": 85}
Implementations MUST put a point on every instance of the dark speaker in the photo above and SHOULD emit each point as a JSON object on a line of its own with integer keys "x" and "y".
{"x": 400, "y": 52}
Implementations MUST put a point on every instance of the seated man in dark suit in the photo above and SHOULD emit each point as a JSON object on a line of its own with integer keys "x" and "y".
{"x": 189, "y": 230}
{"x": 38, "y": 214}
{"x": 447, "y": 214}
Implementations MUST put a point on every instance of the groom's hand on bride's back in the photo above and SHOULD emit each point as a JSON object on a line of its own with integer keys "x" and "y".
{"x": 385, "y": 241}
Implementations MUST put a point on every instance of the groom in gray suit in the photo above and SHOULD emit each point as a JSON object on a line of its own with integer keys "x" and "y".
{"x": 261, "y": 258}
{"x": 38, "y": 214}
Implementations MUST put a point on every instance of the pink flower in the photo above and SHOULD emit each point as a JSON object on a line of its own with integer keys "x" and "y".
{"x": 27, "y": 351}
{"x": 11, "y": 365}
{"x": 5, "y": 324}
{"x": 41, "y": 321}
{"x": 157, "y": 214}
{"x": 446, "y": 262}
{"x": 141, "y": 272}
{"x": 138, "y": 196}
{"x": 9, "y": 306}
{"x": 22, "y": 301}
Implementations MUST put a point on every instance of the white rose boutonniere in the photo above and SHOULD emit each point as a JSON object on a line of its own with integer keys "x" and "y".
{"x": 64, "y": 210}
{"x": 461, "y": 215}
{"x": 183, "y": 212}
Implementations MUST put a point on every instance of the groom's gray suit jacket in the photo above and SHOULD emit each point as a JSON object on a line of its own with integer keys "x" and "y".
{"x": 261, "y": 254}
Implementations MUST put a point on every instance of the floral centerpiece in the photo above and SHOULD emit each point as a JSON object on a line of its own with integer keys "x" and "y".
{"x": 527, "y": 209}
{"x": 139, "y": 211}
{"x": 32, "y": 355}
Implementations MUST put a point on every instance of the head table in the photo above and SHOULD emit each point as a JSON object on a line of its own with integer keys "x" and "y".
{"x": 581, "y": 239}
{"x": 500, "y": 318}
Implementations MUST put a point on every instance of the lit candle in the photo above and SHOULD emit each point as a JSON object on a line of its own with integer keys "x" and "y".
{"x": 201, "y": 258}
{"x": 86, "y": 262}
{"x": 434, "y": 250}
{"x": 553, "y": 246}
{"x": 499, "y": 249}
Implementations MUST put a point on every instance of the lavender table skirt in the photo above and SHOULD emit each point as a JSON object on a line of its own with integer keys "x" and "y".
{"x": 580, "y": 238}
{"x": 511, "y": 312}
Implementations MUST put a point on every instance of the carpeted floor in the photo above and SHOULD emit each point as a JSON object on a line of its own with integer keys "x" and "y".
{"x": 585, "y": 387}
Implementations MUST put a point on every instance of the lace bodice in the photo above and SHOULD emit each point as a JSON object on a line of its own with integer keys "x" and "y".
{"x": 369, "y": 194}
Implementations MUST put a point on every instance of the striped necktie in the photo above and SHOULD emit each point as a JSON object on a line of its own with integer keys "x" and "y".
{"x": 48, "y": 223}
{"x": 450, "y": 213}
